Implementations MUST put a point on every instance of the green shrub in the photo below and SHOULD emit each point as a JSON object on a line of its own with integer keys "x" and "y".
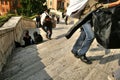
{"x": 5, "y": 18}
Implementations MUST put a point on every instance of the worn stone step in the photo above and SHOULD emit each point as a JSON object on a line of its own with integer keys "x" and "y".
{"x": 27, "y": 71}
{"x": 56, "y": 54}
{"x": 105, "y": 67}
{"x": 60, "y": 65}
{"x": 24, "y": 60}
{"x": 10, "y": 72}
{"x": 50, "y": 44}
{"x": 41, "y": 75}
{"x": 45, "y": 52}
{"x": 24, "y": 52}
{"x": 54, "y": 69}
{"x": 79, "y": 70}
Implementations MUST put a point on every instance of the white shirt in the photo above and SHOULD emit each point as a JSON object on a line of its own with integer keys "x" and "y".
{"x": 43, "y": 17}
{"x": 76, "y": 5}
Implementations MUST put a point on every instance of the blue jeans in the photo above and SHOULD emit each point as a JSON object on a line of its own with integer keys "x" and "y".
{"x": 84, "y": 40}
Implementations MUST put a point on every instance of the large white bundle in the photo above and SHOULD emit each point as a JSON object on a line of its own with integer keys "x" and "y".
{"x": 76, "y": 5}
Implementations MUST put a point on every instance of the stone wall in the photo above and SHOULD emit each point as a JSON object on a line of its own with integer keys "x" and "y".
{"x": 10, "y": 32}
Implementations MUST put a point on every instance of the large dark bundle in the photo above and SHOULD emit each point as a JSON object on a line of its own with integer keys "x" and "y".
{"x": 106, "y": 23}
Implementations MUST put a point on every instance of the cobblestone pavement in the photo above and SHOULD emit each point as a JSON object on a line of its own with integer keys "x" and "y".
{"x": 53, "y": 60}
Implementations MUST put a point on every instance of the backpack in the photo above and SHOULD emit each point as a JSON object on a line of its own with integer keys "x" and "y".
{"x": 37, "y": 38}
{"x": 106, "y": 24}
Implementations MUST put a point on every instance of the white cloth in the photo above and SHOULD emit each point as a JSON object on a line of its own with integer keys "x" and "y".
{"x": 43, "y": 17}
{"x": 76, "y": 5}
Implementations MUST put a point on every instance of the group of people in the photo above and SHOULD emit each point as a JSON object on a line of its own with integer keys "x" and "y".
{"x": 29, "y": 41}
{"x": 86, "y": 37}
{"x": 47, "y": 22}
{"x": 44, "y": 21}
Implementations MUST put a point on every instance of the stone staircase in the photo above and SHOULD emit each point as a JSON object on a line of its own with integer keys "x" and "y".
{"x": 52, "y": 60}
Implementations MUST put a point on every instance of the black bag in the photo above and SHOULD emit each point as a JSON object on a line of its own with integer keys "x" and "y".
{"x": 106, "y": 24}
{"x": 37, "y": 38}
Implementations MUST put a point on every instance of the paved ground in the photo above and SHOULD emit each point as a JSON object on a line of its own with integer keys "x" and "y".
{"x": 53, "y": 60}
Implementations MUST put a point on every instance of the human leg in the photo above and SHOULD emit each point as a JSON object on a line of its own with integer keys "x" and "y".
{"x": 79, "y": 42}
{"x": 87, "y": 42}
{"x": 37, "y": 24}
{"x": 88, "y": 39}
{"x": 49, "y": 32}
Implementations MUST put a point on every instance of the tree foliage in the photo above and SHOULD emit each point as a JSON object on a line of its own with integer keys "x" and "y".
{"x": 31, "y": 7}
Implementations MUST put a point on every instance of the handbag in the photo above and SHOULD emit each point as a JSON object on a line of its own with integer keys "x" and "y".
{"x": 106, "y": 24}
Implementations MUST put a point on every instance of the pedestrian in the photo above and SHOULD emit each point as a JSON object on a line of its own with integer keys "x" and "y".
{"x": 38, "y": 24}
{"x": 58, "y": 19}
{"x": 63, "y": 15}
{"x": 86, "y": 37}
{"x": 66, "y": 20}
{"x": 27, "y": 39}
{"x": 46, "y": 23}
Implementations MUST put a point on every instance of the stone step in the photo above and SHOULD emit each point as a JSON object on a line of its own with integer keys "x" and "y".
{"x": 46, "y": 47}
{"x": 60, "y": 65}
{"x": 27, "y": 71}
{"x": 19, "y": 53}
{"x": 105, "y": 67}
{"x": 54, "y": 69}
{"x": 79, "y": 70}
{"x": 54, "y": 48}
{"x": 56, "y": 54}
{"x": 10, "y": 72}
{"x": 24, "y": 60}
{"x": 41, "y": 75}
{"x": 44, "y": 52}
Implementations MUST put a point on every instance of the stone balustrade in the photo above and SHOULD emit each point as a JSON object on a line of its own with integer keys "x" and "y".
{"x": 10, "y": 32}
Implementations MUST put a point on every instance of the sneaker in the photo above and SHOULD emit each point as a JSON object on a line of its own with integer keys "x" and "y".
{"x": 85, "y": 59}
{"x": 75, "y": 54}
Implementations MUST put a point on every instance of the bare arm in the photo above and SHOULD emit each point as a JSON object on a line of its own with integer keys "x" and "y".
{"x": 114, "y": 3}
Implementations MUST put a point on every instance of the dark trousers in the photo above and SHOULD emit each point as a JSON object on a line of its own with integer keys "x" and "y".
{"x": 48, "y": 30}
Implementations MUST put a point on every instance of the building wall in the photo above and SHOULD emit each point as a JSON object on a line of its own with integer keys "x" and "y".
{"x": 4, "y": 6}
{"x": 66, "y": 4}
{"x": 7, "y": 5}
{"x": 57, "y": 4}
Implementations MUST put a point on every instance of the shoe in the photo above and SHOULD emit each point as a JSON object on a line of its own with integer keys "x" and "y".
{"x": 46, "y": 36}
{"x": 111, "y": 77}
{"x": 49, "y": 38}
{"x": 75, "y": 54}
{"x": 85, "y": 59}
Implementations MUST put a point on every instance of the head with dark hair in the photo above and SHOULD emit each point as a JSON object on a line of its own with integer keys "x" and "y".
{"x": 35, "y": 33}
{"x": 48, "y": 10}
{"x": 27, "y": 32}
{"x": 45, "y": 8}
